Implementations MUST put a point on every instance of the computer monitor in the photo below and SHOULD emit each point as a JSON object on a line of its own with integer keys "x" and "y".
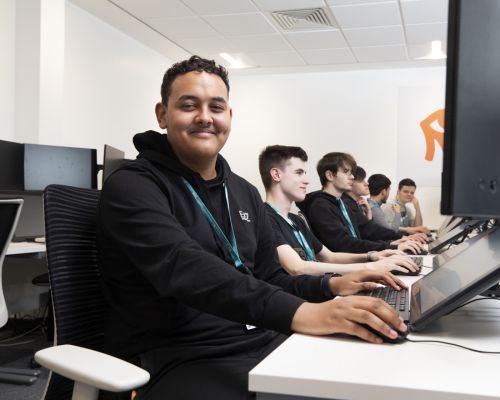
{"x": 469, "y": 273}
{"x": 45, "y": 165}
{"x": 31, "y": 223}
{"x": 11, "y": 165}
{"x": 113, "y": 158}
{"x": 453, "y": 236}
{"x": 471, "y": 162}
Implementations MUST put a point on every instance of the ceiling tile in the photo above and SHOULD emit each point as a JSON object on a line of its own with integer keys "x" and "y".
{"x": 240, "y": 24}
{"x": 316, "y": 40}
{"x": 424, "y": 11}
{"x": 155, "y": 8}
{"x": 367, "y": 15}
{"x": 380, "y": 53}
{"x": 351, "y": 2}
{"x": 276, "y": 5}
{"x": 260, "y": 43}
{"x": 184, "y": 27}
{"x": 216, "y": 7}
{"x": 205, "y": 46}
{"x": 379, "y": 36}
{"x": 422, "y": 33}
{"x": 416, "y": 51}
{"x": 328, "y": 56}
{"x": 277, "y": 59}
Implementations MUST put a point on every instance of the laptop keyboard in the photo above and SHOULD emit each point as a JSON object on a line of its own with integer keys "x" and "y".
{"x": 397, "y": 299}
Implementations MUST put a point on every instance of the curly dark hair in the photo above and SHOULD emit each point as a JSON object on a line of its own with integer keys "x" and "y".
{"x": 195, "y": 63}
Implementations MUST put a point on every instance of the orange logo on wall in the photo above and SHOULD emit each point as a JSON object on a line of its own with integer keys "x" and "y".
{"x": 433, "y": 129}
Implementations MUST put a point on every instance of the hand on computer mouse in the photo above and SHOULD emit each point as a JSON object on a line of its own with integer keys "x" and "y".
{"x": 395, "y": 263}
{"x": 399, "y": 338}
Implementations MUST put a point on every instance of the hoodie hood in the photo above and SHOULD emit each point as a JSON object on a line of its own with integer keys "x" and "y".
{"x": 305, "y": 205}
{"x": 155, "y": 147}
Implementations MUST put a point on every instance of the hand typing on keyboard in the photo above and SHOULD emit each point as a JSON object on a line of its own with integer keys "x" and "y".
{"x": 352, "y": 314}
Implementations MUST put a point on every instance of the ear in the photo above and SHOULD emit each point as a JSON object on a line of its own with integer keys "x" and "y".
{"x": 275, "y": 174}
{"x": 329, "y": 175}
{"x": 161, "y": 115}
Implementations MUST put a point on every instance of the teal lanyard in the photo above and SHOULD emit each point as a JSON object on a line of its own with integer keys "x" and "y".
{"x": 348, "y": 219}
{"x": 231, "y": 246}
{"x": 298, "y": 235}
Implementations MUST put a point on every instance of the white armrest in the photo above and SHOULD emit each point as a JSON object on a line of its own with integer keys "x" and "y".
{"x": 92, "y": 368}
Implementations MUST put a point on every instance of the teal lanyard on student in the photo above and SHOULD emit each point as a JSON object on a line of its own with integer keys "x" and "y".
{"x": 298, "y": 235}
{"x": 231, "y": 246}
{"x": 348, "y": 219}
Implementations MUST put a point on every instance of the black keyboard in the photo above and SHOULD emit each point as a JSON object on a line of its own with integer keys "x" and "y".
{"x": 418, "y": 260}
{"x": 398, "y": 299}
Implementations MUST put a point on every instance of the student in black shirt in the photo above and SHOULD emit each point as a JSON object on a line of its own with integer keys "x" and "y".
{"x": 190, "y": 273}
{"x": 283, "y": 174}
{"x": 333, "y": 221}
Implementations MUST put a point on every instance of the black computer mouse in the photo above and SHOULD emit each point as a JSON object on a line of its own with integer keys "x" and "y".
{"x": 407, "y": 273}
{"x": 399, "y": 339}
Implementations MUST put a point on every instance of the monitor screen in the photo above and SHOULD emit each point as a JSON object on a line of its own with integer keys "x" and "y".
{"x": 45, "y": 165}
{"x": 113, "y": 158}
{"x": 471, "y": 165}
{"x": 31, "y": 223}
{"x": 11, "y": 165}
{"x": 465, "y": 275}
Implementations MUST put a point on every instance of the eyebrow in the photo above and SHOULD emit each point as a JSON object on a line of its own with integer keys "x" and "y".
{"x": 185, "y": 97}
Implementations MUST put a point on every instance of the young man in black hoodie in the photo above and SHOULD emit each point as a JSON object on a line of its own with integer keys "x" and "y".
{"x": 283, "y": 173}
{"x": 189, "y": 267}
{"x": 335, "y": 217}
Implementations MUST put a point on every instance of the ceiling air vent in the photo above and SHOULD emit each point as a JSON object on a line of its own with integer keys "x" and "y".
{"x": 310, "y": 18}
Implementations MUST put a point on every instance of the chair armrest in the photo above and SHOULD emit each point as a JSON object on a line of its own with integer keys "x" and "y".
{"x": 92, "y": 368}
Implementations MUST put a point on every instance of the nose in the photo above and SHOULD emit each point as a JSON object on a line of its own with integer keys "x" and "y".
{"x": 203, "y": 117}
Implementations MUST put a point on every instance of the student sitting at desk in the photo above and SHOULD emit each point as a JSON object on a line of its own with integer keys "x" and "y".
{"x": 196, "y": 295}
{"x": 283, "y": 173}
{"x": 335, "y": 218}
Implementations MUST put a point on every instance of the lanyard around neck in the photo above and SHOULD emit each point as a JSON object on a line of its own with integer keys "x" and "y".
{"x": 348, "y": 219}
{"x": 231, "y": 246}
{"x": 298, "y": 235}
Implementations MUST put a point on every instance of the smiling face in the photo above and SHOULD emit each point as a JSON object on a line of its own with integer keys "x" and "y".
{"x": 292, "y": 179}
{"x": 197, "y": 118}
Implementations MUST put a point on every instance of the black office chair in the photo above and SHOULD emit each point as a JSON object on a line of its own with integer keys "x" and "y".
{"x": 78, "y": 302}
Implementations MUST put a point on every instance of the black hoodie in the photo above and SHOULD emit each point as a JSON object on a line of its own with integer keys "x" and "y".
{"x": 169, "y": 281}
{"x": 325, "y": 217}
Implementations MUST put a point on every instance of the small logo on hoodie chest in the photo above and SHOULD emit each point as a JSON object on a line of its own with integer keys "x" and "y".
{"x": 244, "y": 216}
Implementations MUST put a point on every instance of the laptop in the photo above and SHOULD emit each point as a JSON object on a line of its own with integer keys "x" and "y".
{"x": 467, "y": 274}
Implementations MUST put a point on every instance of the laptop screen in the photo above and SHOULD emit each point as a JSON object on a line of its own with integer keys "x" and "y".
{"x": 467, "y": 274}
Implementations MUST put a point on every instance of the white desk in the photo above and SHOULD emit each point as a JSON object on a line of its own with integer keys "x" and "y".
{"x": 337, "y": 368}
{"x": 25, "y": 248}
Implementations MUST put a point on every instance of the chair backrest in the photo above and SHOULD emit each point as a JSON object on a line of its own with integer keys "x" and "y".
{"x": 75, "y": 281}
{"x": 10, "y": 209}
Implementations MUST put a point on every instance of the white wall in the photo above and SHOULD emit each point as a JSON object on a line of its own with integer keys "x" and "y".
{"x": 354, "y": 112}
{"x": 111, "y": 85}
{"x": 112, "y": 82}
{"x": 7, "y": 68}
